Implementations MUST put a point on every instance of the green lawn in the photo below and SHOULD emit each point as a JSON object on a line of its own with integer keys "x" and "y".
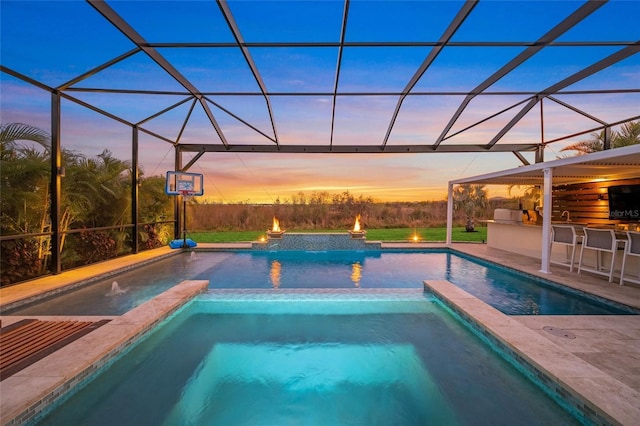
{"x": 395, "y": 234}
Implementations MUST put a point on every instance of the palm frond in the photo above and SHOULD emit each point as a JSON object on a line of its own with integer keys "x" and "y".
{"x": 12, "y": 132}
{"x": 584, "y": 147}
{"x": 629, "y": 134}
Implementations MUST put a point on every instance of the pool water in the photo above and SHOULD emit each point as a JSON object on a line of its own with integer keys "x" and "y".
{"x": 313, "y": 360}
{"x": 508, "y": 291}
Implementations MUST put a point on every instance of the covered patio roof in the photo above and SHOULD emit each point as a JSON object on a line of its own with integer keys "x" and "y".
{"x": 620, "y": 163}
{"x": 607, "y": 165}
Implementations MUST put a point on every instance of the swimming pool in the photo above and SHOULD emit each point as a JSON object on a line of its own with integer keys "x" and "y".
{"x": 506, "y": 290}
{"x": 510, "y": 292}
{"x": 317, "y": 359}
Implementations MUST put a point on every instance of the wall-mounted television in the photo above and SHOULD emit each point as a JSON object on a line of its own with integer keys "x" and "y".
{"x": 624, "y": 202}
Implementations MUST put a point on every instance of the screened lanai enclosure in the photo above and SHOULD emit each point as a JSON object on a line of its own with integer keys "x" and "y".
{"x": 101, "y": 98}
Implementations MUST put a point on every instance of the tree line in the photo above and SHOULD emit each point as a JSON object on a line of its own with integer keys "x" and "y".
{"x": 321, "y": 210}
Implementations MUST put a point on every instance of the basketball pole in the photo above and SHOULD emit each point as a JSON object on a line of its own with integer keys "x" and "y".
{"x": 184, "y": 194}
{"x": 184, "y": 221}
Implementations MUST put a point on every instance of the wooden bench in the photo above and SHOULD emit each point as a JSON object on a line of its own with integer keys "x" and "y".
{"x": 29, "y": 340}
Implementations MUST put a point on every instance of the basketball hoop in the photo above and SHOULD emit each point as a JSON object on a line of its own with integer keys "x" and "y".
{"x": 186, "y": 194}
{"x": 187, "y": 185}
{"x": 182, "y": 183}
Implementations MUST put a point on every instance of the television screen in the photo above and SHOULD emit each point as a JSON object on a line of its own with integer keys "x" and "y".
{"x": 624, "y": 202}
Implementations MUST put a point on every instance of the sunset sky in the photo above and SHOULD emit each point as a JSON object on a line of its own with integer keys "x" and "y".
{"x": 56, "y": 41}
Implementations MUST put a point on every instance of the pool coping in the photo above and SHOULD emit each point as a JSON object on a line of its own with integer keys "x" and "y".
{"x": 596, "y": 395}
{"x": 28, "y": 393}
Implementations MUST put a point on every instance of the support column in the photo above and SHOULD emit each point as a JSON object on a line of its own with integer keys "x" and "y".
{"x": 546, "y": 221}
{"x": 56, "y": 184}
{"x": 540, "y": 154}
{"x": 135, "y": 185}
{"x": 177, "y": 211}
{"x": 449, "y": 212}
{"x": 540, "y": 151}
{"x": 607, "y": 138}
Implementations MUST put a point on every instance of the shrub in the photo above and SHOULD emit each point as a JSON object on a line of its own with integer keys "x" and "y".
{"x": 19, "y": 261}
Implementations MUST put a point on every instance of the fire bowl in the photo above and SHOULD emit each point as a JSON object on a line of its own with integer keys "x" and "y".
{"x": 274, "y": 235}
{"x": 357, "y": 234}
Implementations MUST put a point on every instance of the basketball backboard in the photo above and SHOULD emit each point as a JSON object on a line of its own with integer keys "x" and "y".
{"x": 181, "y": 183}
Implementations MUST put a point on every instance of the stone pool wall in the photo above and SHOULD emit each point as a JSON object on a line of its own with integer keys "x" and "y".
{"x": 313, "y": 242}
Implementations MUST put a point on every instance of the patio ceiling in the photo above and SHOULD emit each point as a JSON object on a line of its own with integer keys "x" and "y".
{"x": 336, "y": 77}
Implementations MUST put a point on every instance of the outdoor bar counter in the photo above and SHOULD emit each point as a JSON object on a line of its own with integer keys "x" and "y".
{"x": 508, "y": 231}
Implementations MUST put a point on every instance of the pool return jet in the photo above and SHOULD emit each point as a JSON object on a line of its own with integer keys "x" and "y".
{"x": 185, "y": 185}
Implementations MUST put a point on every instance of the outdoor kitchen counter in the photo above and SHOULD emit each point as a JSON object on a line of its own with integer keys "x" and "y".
{"x": 516, "y": 237}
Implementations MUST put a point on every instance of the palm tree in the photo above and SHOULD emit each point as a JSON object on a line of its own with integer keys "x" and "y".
{"x": 13, "y": 132}
{"x": 470, "y": 199}
{"x": 595, "y": 144}
{"x": 24, "y": 183}
{"x": 154, "y": 206}
{"x": 531, "y": 193}
{"x": 629, "y": 134}
{"x": 96, "y": 192}
{"x": 24, "y": 206}
{"x": 99, "y": 189}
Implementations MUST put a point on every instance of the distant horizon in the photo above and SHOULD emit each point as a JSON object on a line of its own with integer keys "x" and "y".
{"x": 204, "y": 199}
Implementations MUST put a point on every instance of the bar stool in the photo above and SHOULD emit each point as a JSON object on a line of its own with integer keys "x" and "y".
{"x": 632, "y": 249}
{"x": 565, "y": 235}
{"x": 600, "y": 241}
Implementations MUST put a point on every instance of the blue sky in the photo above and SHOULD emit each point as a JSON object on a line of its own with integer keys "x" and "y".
{"x": 56, "y": 41}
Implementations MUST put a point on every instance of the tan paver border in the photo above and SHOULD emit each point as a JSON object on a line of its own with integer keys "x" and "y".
{"x": 27, "y": 393}
{"x": 601, "y": 398}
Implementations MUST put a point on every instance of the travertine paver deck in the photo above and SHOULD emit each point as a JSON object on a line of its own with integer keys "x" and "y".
{"x": 609, "y": 342}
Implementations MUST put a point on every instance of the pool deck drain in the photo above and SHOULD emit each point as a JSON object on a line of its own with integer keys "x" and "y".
{"x": 559, "y": 332}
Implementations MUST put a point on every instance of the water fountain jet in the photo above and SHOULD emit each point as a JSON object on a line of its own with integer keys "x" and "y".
{"x": 115, "y": 289}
